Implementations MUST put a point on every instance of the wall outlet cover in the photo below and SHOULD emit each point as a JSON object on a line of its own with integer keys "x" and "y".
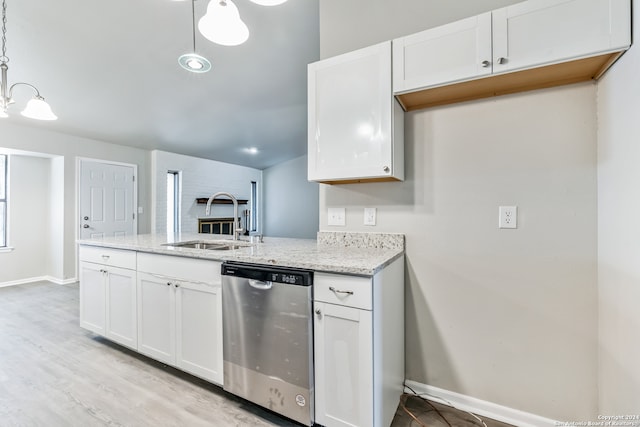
{"x": 336, "y": 216}
{"x": 508, "y": 217}
{"x": 369, "y": 216}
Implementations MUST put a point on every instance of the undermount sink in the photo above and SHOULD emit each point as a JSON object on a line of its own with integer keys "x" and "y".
{"x": 213, "y": 246}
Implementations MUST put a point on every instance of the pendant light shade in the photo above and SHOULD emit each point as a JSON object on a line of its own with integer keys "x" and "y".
{"x": 194, "y": 63}
{"x": 222, "y": 24}
{"x": 268, "y": 2}
{"x": 38, "y": 109}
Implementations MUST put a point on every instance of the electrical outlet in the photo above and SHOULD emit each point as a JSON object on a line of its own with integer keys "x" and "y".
{"x": 369, "y": 216}
{"x": 336, "y": 216}
{"x": 508, "y": 217}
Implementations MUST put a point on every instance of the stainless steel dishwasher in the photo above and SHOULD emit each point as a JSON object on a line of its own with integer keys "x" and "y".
{"x": 268, "y": 337}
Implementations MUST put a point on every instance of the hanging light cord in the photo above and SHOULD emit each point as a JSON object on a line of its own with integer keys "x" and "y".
{"x": 193, "y": 23}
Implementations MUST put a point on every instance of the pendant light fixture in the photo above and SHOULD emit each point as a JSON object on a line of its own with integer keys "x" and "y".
{"x": 222, "y": 24}
{"x": 36, "y": 108}
{"x": 192, "y": 61}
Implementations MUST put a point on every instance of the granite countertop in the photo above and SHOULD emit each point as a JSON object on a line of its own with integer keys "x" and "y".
{"x": 350, "y": 253}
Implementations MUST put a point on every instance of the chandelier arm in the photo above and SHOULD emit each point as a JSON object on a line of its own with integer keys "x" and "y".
{"x": 26, "y": 84}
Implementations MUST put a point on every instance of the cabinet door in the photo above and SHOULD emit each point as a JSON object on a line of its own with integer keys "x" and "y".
{"x": 453, "y": 52}
{"x": 350, "y": 102}
{"x": 92, "y": 297}
{"x": 199, "y": 330}
{"x": 121, "y": 307}
{"x": 156, "y": 318}
{"x": 537, "y": 32}
{"x": 343, "y": 365}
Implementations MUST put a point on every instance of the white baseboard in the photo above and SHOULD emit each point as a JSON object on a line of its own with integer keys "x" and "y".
{"x": 481, "y": 407}
{"x": 38, "y": 279}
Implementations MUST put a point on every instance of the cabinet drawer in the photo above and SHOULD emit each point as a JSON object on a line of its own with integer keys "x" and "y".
{"x": 196, "y": 270}
{"x": 343, "y": 290}
{"x": 108, "y": 256}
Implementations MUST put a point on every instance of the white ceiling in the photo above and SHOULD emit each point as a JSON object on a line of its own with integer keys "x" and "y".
{"x": 109, "y": 70}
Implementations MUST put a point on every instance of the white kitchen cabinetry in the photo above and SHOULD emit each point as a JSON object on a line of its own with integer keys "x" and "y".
{"x": 180, "y": 313}
{"x": 108, "y": 294}
{"x": 538, "y": 32}
{"x": 356, "y": 128}
{"x": 547, "y": 42}
{"x": 359, "y": 347}
{"x": 449, "y": 53}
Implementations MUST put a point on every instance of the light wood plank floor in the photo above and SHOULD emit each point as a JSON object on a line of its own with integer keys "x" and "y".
{"x": 55, "y": 374}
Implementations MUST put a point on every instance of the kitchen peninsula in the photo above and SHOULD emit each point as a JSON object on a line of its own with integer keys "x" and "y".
{"x": 165, "y": 302}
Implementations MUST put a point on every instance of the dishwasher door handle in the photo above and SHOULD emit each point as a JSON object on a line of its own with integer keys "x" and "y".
{"x": 258, "y": 284}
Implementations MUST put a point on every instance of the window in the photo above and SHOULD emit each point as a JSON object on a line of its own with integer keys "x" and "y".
{"x": 173, "y": 201}
{"x": 3, "y": 200}
{"x": 253, "y": 218}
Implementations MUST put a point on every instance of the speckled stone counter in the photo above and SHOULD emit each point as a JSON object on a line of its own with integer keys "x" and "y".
{"x": 349, "y": 253}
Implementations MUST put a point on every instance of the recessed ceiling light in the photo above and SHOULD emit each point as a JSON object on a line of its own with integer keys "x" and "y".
{"x": 251, "y": 150}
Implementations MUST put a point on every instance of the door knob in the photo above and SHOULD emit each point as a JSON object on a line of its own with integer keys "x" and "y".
{"x": 85, "y": 226}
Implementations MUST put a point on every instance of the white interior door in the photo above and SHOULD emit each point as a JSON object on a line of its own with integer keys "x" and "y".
{"x": 107, "y": 199}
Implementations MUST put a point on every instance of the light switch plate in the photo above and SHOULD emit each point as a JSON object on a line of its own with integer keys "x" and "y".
{"x": 336, "y": 216}
{"x": 508, "y": 217}
{"x": 369, "y": 216}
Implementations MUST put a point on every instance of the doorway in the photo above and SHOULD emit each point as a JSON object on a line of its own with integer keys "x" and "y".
{"x": 107, "y": 196}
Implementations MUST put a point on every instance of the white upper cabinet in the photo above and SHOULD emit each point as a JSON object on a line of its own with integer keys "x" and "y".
{"x": 538, "y": 32}
{"x": 529, "y": 45}
{"x": 355, "y": 125}
{"x": 457, "y": 51}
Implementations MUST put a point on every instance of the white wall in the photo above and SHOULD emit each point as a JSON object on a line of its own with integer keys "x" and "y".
{"x": 34, "y": 139}
{"x": 200, "y": 178}
{"x": 55, "y": 216}
{"x": 28, "y": 219}
{"x": 619, "y": 234}
{"x": 291, "y": 202}
{"x": 506, "y": 316}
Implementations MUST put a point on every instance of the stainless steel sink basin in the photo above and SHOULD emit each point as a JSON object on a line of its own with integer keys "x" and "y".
{"x": 213, "y": 246}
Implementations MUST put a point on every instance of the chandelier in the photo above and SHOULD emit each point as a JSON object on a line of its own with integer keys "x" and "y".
{"x": 36, "y": 108}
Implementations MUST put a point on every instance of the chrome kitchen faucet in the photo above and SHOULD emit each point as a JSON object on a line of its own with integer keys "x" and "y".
{"x": 236, "y": 224}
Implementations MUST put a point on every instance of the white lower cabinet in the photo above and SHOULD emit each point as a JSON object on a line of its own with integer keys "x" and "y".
{"x": 108, "y": 298}
{"x": 359, "y": 347}
{"x": 343, "y": 365}
{"x": 179, "y": 316}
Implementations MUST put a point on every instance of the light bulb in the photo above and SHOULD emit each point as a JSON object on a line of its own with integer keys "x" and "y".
{"x": 222, "y": 24}
{"x": 38, "y": 109}
{"x": 268, "y": 2}
{"x": 194, "y": 63}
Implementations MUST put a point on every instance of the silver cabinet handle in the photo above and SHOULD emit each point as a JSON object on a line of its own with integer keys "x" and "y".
{"x": 86, "y": 218}
{"x": 168, "y": 283}
{"x": 485, "y": 63}
{"x": 85, "y": 226}
{"x": 334, "y": 290}
{"x": 386, "y": 169}
{"x": 502, "y": 60}
{"x": 177, "y": 285}
{"x": 105, "y": 257}
{"x": 319, "y": 313}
